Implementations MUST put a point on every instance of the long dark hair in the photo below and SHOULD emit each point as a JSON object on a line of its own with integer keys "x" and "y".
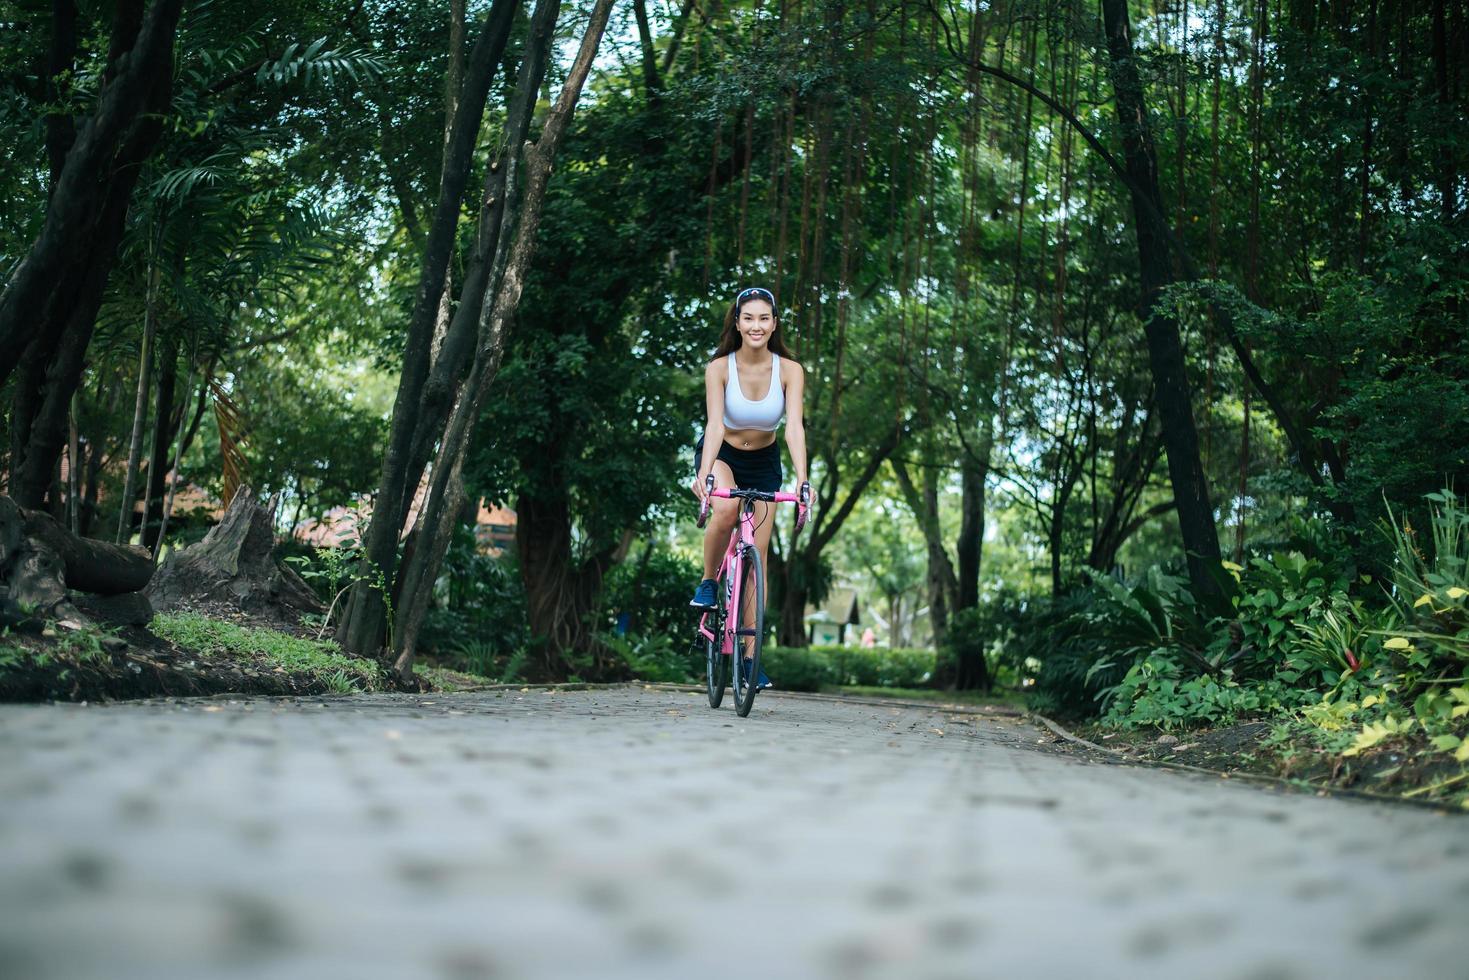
{"x": 729, "y": 338}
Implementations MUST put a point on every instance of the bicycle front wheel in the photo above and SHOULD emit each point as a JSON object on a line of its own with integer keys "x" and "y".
{"x": 749, "y": 631}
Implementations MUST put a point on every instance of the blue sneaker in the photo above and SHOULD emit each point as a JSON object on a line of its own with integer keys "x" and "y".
{"x": 704, "y": 595}
{"x": 763, "y": 684}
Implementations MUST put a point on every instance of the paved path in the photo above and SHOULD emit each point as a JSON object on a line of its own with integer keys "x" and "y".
{"x": 595, "y": 834}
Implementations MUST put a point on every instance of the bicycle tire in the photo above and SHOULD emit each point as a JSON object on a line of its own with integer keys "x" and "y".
{"x": 745, "y": 690}
{"x": 716, "y": 664}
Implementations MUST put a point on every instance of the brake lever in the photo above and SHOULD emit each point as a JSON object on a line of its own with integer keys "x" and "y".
{"x": 706, "y": 504}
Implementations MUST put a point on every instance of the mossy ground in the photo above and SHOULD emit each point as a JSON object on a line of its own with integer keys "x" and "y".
{"x": 185, "y": 653}
{"x": 1406, "y": 767}
{"x": 281, "y": 652}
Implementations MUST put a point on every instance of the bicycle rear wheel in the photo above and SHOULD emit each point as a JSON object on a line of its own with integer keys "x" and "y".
{"x": 716, "y": 664}
{"x": 749, "y": 632}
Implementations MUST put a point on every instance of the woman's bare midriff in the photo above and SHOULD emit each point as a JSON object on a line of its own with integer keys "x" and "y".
{"x": 747, "y": 439}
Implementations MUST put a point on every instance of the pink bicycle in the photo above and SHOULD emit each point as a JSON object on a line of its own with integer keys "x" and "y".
{"x": 736, "y": 622}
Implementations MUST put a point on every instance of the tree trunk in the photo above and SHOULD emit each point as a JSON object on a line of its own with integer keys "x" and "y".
{"x": 235, "y": 563}
{"x": 156, "y": 483}
{"x": 60, "y": 58}
{"x": 415, "y": 594}
{"x": 140, "y": 409}
{"x": 793, "y": 577}
{"x": 1448, "y": 176}
{"x": 74, "y": 200}
{"x": 970, "y": 546}
{"x": 942, "y": 585}
{"x": 89, "y": 565}
{"x": 494, "y": 320}
{"x": 487, "y": 259}
{"x": 362, "y": 625}
{"x": 74, "y": 306}
{"x": 174, "y": 463}
{"x": 1165, "y": 347}
{"x": 560, "y": 592}
{"x": 73, "y": 471}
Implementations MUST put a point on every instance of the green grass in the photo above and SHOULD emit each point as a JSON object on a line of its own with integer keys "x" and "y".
{"x": 71, "y": 648}
{"x": 14, "y": 657}
{"x": 1013, "y": 699}
{"x": 321, "y": 659}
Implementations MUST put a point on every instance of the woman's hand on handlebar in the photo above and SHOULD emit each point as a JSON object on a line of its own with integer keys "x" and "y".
{"x": 702, "y": 490}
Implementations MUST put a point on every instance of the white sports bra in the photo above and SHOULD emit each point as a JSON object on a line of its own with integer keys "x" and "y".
{"x": 741, "y": 413}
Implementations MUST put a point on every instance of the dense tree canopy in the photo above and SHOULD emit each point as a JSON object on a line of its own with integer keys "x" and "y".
{"x": 1078, "y": 287}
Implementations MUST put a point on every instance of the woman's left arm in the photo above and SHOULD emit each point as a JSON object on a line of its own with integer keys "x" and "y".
{"x": 795, "y": 384}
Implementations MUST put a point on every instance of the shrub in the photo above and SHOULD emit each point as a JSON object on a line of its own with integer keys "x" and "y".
{"x": 1080, "y": 645}
{"x": 478, "y": 622}
{"x": 1430, "y": 589}
{"x": 658, "y": 658}
{"x": 799, "y": 668}
{"x": 881, "y": 666}
{"x": 811, "y": 668}
{"x": 653, "y": 590}
{"x": 1157, "y": 691}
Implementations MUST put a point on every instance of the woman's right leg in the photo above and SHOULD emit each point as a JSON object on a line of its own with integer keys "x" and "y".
{"x": 722, "y": 519}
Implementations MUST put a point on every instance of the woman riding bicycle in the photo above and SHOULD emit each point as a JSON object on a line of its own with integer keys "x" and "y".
{"x": 738, "y": 446}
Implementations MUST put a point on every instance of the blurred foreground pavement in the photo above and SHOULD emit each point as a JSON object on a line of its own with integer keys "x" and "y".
{"x": 635, "y": 833}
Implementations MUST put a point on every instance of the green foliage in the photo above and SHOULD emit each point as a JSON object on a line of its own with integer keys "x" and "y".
{"x": 1157, "y": 691}
{"x": 812, "y": 668}
{"x": 311, "y": 438}
{"x": 1080, "y": 645}
{"x": 479, "y": 622}
{"x": 1430, "y": 579}
{"x": 658, "y": 657}
{"x": 653, "y": 591}
{"x": 973, "y": 634}
{"x": 799, "y": 668}
{"x": 315, "y": 64}
{"x": 1293, "y": 616}
{"x": 321, "y": 659}
{"x": 880, "y": 666}
{"x": 1046, "y": 644}
{"x": 17, "y": 658}
{"x": 331, "y": 572}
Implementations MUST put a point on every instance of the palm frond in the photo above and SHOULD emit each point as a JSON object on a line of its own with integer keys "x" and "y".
{"x": 231, "y": 422}
{"x": 181, "y": 182}
{"x": 315, "y": 64}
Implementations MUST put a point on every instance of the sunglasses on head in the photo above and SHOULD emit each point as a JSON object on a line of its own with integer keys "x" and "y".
{"x": 756, "y": 291}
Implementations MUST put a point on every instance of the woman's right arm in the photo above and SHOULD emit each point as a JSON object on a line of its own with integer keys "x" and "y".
{"x": 713, "y": 423}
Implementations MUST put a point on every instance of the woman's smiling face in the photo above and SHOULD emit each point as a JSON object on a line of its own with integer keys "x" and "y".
{"x": 756, "y": 323}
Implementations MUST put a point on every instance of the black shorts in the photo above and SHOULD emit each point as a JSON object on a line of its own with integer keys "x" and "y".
{"x": 754, "y": 469}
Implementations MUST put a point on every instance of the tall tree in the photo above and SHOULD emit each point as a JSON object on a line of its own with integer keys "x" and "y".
{"x": 1172, "y": 390}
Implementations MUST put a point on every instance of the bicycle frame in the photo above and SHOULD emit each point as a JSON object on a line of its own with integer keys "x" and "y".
{"x": 742, "y": 537}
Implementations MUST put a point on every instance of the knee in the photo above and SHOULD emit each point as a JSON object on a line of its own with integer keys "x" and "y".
{"x": 724, "y": 514}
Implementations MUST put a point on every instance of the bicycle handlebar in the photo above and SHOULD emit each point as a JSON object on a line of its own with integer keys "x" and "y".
{"x": 802, "y": 499}
{"x": 778, "y": 497}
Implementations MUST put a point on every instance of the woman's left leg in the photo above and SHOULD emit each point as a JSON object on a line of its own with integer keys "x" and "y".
{"x": 764, "y": 526}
